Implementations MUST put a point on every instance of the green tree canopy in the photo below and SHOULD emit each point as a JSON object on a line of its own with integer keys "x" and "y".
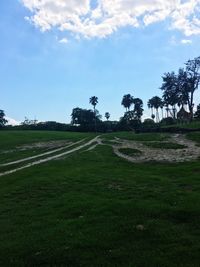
{"x": 3, "y": 121}
{"x": 93, "y": 101}
{"x": 107, "y": 115}
{"x": 127, "y": 101}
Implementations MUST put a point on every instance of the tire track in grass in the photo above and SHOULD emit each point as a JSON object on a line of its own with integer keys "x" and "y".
{"x": 49, "y": 158}
{"x": 39, "y": 155}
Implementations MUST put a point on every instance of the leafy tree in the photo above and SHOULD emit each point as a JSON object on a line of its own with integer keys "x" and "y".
{"x": 148, "y": 122}
{"x": 170, "y": 92}
{"x": 138, "y": 108}
{"x": 82, "y": 116}
{"x": 107, "y": 115}
{"x": 127, "y": 101}
{"x": 182, "y": 88}
{"x": 193, "y": 80}
{"x": 129, "y": 122}
{"x": 156, "y": 103}
{"x": 179, "y": 89}
{"x": 3, "y": 121}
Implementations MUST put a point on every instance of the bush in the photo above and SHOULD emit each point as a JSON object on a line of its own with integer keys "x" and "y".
{"x": 148, "y": 122}
{"x": 167, "y": 121}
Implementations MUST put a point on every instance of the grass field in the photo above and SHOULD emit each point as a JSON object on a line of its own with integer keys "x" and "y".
{"x": 191, "y": 125}
{"x": 93, "y": 209}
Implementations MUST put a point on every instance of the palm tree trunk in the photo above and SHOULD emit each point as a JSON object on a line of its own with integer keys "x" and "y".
{"x": 95, "y": 122}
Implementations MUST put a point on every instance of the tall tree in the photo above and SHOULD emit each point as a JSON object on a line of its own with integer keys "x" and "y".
{"x": 94, "y": 101}
{"x": 150, "y": 106}
{"x": 182, "y": 88}
{"x": 82, "y": 116}
{"x": 138, "y": 108}
{"x": 179, "y": 89}
{"x": 157, "y": 103}
{"x": 193, "y": 80}
{"x": 107, "y": 115}
{"x": 162, "y": 106}
{"x": 127, "y": 101}
{"x": 170, "y": 92}
{"x": 3, "y": 121}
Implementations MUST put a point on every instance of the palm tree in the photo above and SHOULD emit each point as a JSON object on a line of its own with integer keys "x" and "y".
{"x": 162, "y": 106}
{"x": 138, "y": 108}
{"x": 127, "y": 101}
{"x": 156, "y": 103}
{"x": 107, "y": 115}
{"x": 150, "y": 106}
{"x": 94, "y": 101}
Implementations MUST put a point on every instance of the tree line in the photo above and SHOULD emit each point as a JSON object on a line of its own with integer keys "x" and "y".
{"x": 176, "y": 103}
{"x": 178, "y": 93}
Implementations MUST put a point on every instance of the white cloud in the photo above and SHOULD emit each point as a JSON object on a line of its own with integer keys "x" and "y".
{"x": 79, "y": 18}
{"x": 12, "y": 122}
{"x": 186, "y": 41}
{"x": 63, "y": 41}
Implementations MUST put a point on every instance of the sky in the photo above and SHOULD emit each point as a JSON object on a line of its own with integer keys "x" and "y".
{"x": 56, "y": 54}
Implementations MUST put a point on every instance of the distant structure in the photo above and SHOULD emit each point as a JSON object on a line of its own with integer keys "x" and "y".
{"x": 183, "y": 115}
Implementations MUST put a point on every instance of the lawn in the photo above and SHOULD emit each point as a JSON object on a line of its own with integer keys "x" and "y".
{"x": 94, "y": 209}
{"x": 12, "y": 141}
{"x": 137, "y": 137}
{"x": 191, "y": 125}
{"x": 166, "y": 145}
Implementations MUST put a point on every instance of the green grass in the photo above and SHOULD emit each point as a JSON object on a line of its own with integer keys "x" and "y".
{"x": 166, "y": 145}
{"x": 130, "y": 151}
{"x": 137, "y": 137}
{"x": 11, "y": 139}
{"x": 84, "y": 210}
{"x": 191, "y": 125}
{"x": 20, "y": 154}
{"x": 194, "y": 137}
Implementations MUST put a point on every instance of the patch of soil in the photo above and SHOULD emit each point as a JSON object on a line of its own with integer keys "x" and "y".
{"x": 47, "y": 145}
{"x": 190, "y": 151}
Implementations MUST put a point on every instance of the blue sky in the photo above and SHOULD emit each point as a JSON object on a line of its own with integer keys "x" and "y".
{"x": 47, "y": 71}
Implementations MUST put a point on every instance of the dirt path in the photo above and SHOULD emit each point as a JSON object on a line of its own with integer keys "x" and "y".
{"x": 50, "y": 158}
{"x": 191, "y": 152}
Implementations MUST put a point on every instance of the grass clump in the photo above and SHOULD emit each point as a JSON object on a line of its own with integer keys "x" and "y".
{"x": 194, "y": 137}
{"x": 166, "y": 145}
{"x": 130, "y": 151}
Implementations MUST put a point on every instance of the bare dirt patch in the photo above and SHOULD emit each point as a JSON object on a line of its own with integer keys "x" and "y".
{"x": 47, "y": 145}
{"x": 190, "y": 151}
{"x": 39, "y": 145}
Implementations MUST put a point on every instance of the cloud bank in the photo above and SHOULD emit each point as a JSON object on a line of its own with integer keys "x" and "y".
{"x": 100, "y": 18}
{"x": 12, "y": 121}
